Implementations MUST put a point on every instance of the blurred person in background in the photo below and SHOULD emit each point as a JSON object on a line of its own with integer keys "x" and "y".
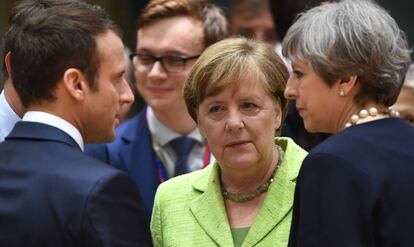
{"x": 130, "y": 78}
{"x": 284, "y": 13}
{"x": 11, "y": 109}
{"x": 163, "y": 141}
{"x": 349, "y": 60}
{"x": 235, "y": 94}
{"x": 405, "y": 101}
{"x": 252, "y": 19}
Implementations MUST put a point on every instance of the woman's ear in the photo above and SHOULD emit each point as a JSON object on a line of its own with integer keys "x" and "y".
{"x": 347, "y": 85}
{"x": 278, "y": 114}
{"x": 75, "y": 84}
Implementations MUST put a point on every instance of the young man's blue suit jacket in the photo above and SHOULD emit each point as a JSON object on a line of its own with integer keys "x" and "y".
{"x": 132, "y": 152}
{"x": 52, "y": 194}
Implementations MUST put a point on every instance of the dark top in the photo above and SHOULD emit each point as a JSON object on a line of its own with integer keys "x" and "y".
{"x": 357, "y": 189}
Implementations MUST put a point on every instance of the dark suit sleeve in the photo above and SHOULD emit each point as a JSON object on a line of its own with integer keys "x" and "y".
{"x": 333, "y": 204}
{"x": 98, "y": 151}
{"x": 115, "y": 215}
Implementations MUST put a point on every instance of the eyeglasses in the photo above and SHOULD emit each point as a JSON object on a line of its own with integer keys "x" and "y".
{"x": 172, "y": 64}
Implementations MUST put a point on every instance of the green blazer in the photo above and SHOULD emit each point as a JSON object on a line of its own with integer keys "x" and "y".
{"x": 189, "y": 209}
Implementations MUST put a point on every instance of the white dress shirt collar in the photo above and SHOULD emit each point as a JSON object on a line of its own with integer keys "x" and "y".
{"x": 163, "y": 134}
{"x": 55, "y": 121}
{"x": 8, "y": 117}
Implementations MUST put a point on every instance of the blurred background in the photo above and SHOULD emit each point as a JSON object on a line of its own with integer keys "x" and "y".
{"x": 125, "y": 13}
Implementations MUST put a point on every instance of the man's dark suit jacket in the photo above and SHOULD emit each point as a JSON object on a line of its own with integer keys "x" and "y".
{"x": 133, "y": 153}
{"x": 357, "y": 189}
{"x": 51, "y": 194}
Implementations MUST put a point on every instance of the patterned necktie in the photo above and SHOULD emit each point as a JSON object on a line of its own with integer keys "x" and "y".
{"x": 182, "y": 146}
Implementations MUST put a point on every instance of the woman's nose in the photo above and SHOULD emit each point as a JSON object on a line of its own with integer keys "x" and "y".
{"x": 234, "y": 121}
{"x": 291, "y": 89}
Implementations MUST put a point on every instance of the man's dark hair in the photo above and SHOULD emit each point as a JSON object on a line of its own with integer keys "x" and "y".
{"x": 285, "y": 12}
{"x": 19, "y": 14}
{"x": 52, "y": 40}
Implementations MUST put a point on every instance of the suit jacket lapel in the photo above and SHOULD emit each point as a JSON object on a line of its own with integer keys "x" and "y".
{"x": 208, "y": 209}
{"x": 40, "y": 131}
{"x": 139, "y": 158}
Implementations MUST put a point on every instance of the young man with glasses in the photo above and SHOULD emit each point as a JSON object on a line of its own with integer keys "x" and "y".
{"x": 171, "y": 35}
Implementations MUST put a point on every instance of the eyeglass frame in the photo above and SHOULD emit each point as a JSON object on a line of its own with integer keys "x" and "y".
{"x": 161, "y": 59}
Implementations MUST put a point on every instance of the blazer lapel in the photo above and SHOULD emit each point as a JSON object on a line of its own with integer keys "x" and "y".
{"x": 40, "y": 131}
{"x": 279, "y": 199}
{"x": 208, "y": 208}
{"x": 276, "y": 207}
{"x": 139, "y": 158}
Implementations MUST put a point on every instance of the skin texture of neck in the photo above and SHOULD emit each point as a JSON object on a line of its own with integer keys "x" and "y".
{"x": 185, "y": 124}
{"x": 55, "y": 109}
{"x": 243, "y": 214}
{"x": 242, "y": 181}
{"x": 345, "y": 115}
{"x": 354, "y": 109}
{"x": 12, "y": 98}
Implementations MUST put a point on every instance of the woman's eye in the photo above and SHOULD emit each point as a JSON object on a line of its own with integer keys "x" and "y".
{"x": 248, "y": 105}
{"x": 297, "y": 73}
{"x": 214, "y": 109}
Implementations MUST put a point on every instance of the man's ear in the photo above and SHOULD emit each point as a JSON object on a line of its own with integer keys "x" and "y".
{"x": 75, "y": 84}
{"x": 7, "y": 62}
{"x": 347, "y": 85}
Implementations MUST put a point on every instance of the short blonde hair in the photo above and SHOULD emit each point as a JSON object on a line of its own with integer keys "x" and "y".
{"x": 229, "y": 61}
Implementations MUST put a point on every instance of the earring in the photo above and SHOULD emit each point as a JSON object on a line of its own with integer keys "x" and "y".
{"x": 341, "y": 92}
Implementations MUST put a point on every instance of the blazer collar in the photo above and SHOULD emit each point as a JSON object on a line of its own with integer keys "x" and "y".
{"x": 137, "y": 123}
{"x": 279, "y": 199}
{"x": 210, "y": 213}
{"x": 208, "y": 208}
{"x": 40, "y": 131}
{"x": 137, "y": 157}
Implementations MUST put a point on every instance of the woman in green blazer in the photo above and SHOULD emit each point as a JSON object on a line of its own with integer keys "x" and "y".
{"x": 235, "y": 94}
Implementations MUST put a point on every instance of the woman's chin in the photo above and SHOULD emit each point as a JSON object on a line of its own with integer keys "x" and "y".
{"x": 240, "y": 163}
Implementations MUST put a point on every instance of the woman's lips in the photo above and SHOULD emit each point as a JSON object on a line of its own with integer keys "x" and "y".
{"x": 159, "y": 90}
{"x": 299, "y": 109}
{"x": 236, "y": 144}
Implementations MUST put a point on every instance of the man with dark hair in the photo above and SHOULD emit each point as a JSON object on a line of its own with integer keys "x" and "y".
{"x": 11, "y": 109}
{"x": 284, "y": 13}
{"x": 67, "y": 66}
{"x": 163, "y": 141}
{"x": 252, "y": 19}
